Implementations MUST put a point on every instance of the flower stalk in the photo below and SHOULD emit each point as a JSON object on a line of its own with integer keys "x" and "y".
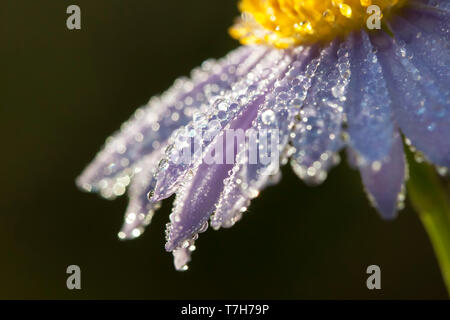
{"x": 430, "y": 201}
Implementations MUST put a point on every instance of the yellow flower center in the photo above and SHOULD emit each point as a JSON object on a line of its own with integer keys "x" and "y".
{"x": 287, "y": 23}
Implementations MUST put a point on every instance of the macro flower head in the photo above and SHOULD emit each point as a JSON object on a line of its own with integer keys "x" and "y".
{"x": 310, "y": 81}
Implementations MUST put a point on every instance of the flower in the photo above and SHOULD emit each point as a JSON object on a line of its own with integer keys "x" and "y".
{"x": 309, "y": 73}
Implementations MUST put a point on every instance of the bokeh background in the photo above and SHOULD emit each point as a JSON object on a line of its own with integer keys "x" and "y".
{"x": 63, "y": 92}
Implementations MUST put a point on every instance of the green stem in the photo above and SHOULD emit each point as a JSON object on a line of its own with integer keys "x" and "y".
{"x": 429, "y": 199}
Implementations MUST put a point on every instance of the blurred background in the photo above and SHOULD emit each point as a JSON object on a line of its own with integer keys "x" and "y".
{"x": 63, "y": 92}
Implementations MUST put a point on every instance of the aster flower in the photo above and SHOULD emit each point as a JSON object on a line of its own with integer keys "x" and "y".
{"x": 309, "y": 73}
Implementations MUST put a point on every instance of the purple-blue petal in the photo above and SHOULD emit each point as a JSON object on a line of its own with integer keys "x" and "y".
{"x": 181, "y": 258}
{"x": 197, "y": 198}
{"x": 368, "y": 105}
{"x": 384, "y": 181}
{"x": 420, "y": 107}
{"x": 427, "y": 48}
{"x": 139, "y": 211}
{"x": 316, "y": 136}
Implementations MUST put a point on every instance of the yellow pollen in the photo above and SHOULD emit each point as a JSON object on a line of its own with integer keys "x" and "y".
{"x": 287, "y": 23}
{"x": 346, "y": 10}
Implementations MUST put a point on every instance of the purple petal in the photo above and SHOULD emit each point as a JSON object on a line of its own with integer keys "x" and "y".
{"x": 237, "y": 195}
{"x": 317, "y": 133}
{"x": 231, "y": 205}
{"x": 420, "y": 107}
{"x": 384, "y": 181}
{"x": 368, "y": 107}
{"x": 140, "y": 210}
{"x": 428, "y": 48}
{"x": 443, "y": 5}
{"x": 181, "y": 257}
{"x": 197, "y": 198}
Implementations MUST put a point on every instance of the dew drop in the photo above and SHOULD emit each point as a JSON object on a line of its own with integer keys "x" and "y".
{"x": 268, "y": 117}
{"x": 163, "y": 164}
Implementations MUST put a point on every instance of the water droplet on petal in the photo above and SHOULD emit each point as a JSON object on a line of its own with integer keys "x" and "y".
{"x": 268, "y": 117}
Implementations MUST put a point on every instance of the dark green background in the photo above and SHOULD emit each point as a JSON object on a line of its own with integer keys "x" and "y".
{"x": 63, "y": 92}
